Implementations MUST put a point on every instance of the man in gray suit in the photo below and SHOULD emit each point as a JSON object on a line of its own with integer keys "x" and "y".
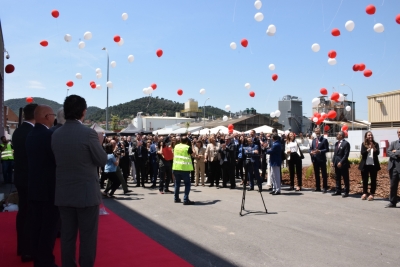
{"x": 78, "y": 153}
{"x": 394, "y": 170}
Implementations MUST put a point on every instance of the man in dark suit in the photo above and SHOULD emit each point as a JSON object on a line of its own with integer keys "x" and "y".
{"x": 341, "y": 163}
{"x": 231, "y": 149}
{"x": 140, "y": 163}
{"x": 318, "y": 149}
{"x": 21, "y": 182}
{"x": 78, "y": 154}
{"x": 42, "y": 183}
{"x": 394, "y": 170}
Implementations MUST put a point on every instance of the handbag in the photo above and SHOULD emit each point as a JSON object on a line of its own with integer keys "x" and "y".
{"x": 301, "y": 153}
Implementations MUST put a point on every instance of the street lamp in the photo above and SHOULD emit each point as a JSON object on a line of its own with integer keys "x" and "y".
{"x": 352, "y": 106}
{"x": 108, "y": 68}
{"x": 204, "y": 117}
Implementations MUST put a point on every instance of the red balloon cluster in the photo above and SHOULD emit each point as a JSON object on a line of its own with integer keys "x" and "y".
{"x": 55, "y": 13}
{"x": 117, "y": 38}
{"x": 335, "y": 96}
{"x": 274, "y": 77}
{"x": 9, "y": 68}
{"x": 159, "y": 53}
{"x": 93, "y": 84}
{"x": 154, "y": 86}
{"x": 180, "y": 92}
{"x": 29, "y": 99}
{"x": 320, "y": 118}
{"x": 44, "y": 43}
{"x": 398, "y": 18}
{"x": 244, "y": 42}
{"x": 370, "y": 9}
{"x": 359, "y": 67}
{"x": 335, "y": 32}
{"x": 252, "y": 94}
{"x": 332, "y": 54}
{"x": 323, "y": 91}
{"x": 70, "y": 83}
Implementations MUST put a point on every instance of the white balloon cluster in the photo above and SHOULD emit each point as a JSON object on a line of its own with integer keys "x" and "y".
{"x": 202, "y": 91}
{"x": 247, "y": 85}
{"x": 275, "y": 113}
{"x": 271, "y": 30}
{"x": 147, "y": 90}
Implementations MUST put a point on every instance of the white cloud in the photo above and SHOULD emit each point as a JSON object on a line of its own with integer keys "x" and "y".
{"x": 36, "y": 85}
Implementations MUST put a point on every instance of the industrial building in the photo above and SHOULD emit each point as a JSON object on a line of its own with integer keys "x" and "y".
{"x": 291, "y": 118}
{"x": 152, "y": 123}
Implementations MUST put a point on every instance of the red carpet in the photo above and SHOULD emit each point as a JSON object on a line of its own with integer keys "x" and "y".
{"x": 123, "y": 246}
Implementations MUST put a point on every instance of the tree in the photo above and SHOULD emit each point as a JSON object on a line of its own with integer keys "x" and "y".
{"x": 114, "y": 122}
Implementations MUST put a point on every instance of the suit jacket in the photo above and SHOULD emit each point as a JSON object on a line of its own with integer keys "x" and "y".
{"x": 42, "y": 165}
{"x": 364, "y": 155}
{"x": 144, "y": 153}
{"x": 341, "y": 154}
{"x": 55, "y": 127}
{"x": 323, "y": 147}
{"x": 78, "y": 154}
{"x": 21, "y": 172}
{"x": 275, "y": 154}
{"x": 394, "y": 159}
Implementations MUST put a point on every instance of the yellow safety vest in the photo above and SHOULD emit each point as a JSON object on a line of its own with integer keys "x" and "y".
{"x": 182, "y": 159}
{"x": 7, "y": 154}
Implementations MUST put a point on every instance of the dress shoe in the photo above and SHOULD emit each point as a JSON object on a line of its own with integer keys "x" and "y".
{"x": 324, "y": 191}
{"x": 270, "y": 189}
{"x": 167, "y": 191}
{"x": 390, "y": 205}
{"x": 250, "y": 189}
{"x": 127, "y": 191}
{"x": 217, "y": 186}
{"x": 177, "y": 200}
{"x": 26, "y": 258}
{"x": 337, "y": 193}
{"x": 161, "y": 192}
{"x": 276, "y": 193}
{"x": 291, "y": 188}
{"x": 317, "y": 190}
{"x": 345, "y": 194}
{"x": 188, "y": 202}
{"x": 211, "y": 185}
{"x": 272, "y": 192}
{"x": 153, "y": 186}
{"x": 138, "y": 185}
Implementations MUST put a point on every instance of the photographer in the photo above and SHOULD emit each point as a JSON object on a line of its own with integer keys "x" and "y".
{"x": 110, "y": 172}
{"x": 123, "y": 147}
{"x": 252, "y": 164}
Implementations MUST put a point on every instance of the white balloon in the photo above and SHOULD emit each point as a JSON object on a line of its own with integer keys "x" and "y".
{"x": 247, "y": 85}
{"x": 149, "y": 90}
{"x": 315, "y": 101}
{"x": 124, "y": 16}
{"x": 113, "y": 64}
{"x": 225, "y": 118}
{"x": 98, "y": 87}
{"x": 315, "y": 119}
{"x": 131, "y": 58}
{"x": 271, "y": 66}
{"x": 349, "y": 25}
{"x": 78, "y": 75}
{"x": 272, "y": 114}
{"x": 98, "y": 70}
{"x": 259, "y": 17}
{"x": 379, "y": 28}
{"x": 109, "y": 84}
{"x": 315, "y": 47}
{"x": 233, "y": 45}
{"x": 81, "y": 45}
{"x": 202, "y": 91}
{"x": 99, "y": 75}
{"x": 257, "y": 4}
{"x": 121, "y": 42}
{"x": 271, "y": 30}
{"x": 228, "y": 107}
{"x": 87, "y": 35}
{"x": 67, "y": 38}
{"x": 332, "y": 61}
{"x": 145, "y": 91}
{"x": 348, "y": 108}
{"x": 341, "y": 98}
{"x": 277, "y": 113}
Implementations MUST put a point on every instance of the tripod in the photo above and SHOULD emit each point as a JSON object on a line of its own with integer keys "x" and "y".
{"x": 244, "y": 192}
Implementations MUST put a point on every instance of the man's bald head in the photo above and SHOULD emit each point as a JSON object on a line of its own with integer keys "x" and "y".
{"x": 44, "y": 115}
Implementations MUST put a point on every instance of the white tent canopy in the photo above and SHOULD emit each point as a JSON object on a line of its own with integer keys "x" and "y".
{"x": 221, "y": 129}
{"x": 265, "y": 129}
{"x": 167, "y": 130}
{"x": 185, "y": 130}
{"x": 201, "y": 132}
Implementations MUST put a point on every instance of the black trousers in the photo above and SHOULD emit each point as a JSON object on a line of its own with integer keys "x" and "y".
{"x": 214, "y": 171}
{"x": 295, "y": 163}
{"x": 225, "y": 173}
{"x": 239, "y": 168}
{"x": 124, "y": 165}
{"x": 115, "y": 182}
{"x": 141, "y": 172}
{"x": 320, "y": 167}
{"x": 394, "y": 184}
{"x": 369, "y": 172}
{"x": 44, "y": 229}
{"x": 339, "y": 173}
{"x": 23, "y": 225}
{"x": 263, "y": 166}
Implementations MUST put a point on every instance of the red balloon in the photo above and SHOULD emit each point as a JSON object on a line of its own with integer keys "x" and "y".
{"x": 346, "y": 133}
{"x": 44, "y": 43}
{"x": 117, "y": 38}
{"x": 356, "y": 67}
{"x": 244, "y": 42}
{"x": 316, "y": 114}
{"x": 332, "y": 114}
{"x": 29, "y": 99}
{"x": 55, "y": 13}
{"x": 180, "y": 92}
{"x": 398, "y": 18}
{"x": 274, "y": 77}
{"x": 332, "y": 54}
{"x": 370, "y": 9}
{"x": 230, "y": 126}
{"x": 93, "y": 85}
{"x": 9, "y": 68}
{"x": 326, "y": 128}
{"x": 252, "y": 94}
{"x": 335, "y": 96}
{"x": 325, "y": 116}
{"x": 70, "y": 83}
{"x": 159, "y": 53}
{"x": 362, "y": 67}
{"x": 154, "y": 86}
{"x": 92, "y": 82}
{"x": 335, "y": 32}
{"x": 323, "y": 91}
{"x": 345, "y": 127}
{"x": 367, "y": 73}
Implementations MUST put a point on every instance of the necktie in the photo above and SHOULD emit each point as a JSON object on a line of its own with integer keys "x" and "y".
{"x": 316, "y": 143}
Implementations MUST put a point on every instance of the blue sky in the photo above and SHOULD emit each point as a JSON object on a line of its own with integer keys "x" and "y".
{"x": 195, "y": 38}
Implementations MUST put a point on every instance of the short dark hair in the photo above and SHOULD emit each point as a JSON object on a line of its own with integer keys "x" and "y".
{"x": 109, "y": 148}
{"x": 74, "y": 106}
{"x": 275, "y": 137}
{"x": 29, "y": 111}
{"x": 274, "y": 130}
{"x": 184, "y": 140}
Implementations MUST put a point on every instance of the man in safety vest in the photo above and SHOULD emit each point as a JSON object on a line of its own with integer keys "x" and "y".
{"x": 181, "y": 168}
{"x": 7, "y": 159}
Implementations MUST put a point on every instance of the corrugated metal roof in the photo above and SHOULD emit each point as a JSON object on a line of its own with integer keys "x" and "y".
{"x": 384, "y": 94}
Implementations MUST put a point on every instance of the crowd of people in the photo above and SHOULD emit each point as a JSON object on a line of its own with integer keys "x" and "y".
{"x": 60, "y": 168}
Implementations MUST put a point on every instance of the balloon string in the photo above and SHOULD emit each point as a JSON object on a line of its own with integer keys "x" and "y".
{"x": 334, "y": 16}
{"x": 234, "y": 11}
